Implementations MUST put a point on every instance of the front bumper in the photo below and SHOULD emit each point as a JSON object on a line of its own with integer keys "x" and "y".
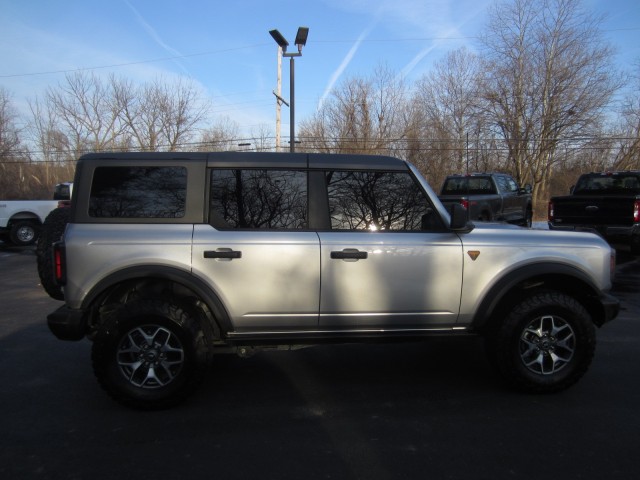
{"x": 67, "y": 323}
{"x": 610, "y": 308}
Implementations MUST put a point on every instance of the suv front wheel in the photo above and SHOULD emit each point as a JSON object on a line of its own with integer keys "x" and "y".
{"x": 545, "y": 344}
{"x": 150, "y": 354}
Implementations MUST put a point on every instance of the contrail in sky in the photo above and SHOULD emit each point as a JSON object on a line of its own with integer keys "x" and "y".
{"x": 345, "y": 63}
{"x": 154, "y": 35}
{"x": 453, "y": 30}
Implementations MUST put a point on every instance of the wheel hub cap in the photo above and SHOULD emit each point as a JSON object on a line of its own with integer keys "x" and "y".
{"x": 150, "y": 356}
{"x": 547, "y": 345}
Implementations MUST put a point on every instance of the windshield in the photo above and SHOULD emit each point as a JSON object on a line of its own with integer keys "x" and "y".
{"x": 622, "y": 184}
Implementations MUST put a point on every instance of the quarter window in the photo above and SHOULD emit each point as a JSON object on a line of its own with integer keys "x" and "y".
{"x": 138, "y": 192}
{"x": 258, "y": 199}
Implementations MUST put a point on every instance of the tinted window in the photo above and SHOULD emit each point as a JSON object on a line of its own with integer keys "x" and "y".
{"x": 467, "y": 185}
{"x": 258, "y": 199}
{"x": 138, "y": 192}
{"x": 378, "y": 201}
{"x": 502, "y": 183}
{"x": 513, "y": 186}
{"x": 614, "y": 183}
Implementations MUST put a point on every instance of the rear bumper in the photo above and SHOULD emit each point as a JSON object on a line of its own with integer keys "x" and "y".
{"x": 609, "y": 232}
{"x": 67, "y": 323}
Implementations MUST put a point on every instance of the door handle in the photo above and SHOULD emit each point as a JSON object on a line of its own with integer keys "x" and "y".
{"x": 349, "y": 254}
{"x": 224, "y": 253}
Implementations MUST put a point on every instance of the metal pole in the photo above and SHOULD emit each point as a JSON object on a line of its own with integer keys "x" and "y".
{"x": 292, "y": 108}
{"x": 278, "y": 102}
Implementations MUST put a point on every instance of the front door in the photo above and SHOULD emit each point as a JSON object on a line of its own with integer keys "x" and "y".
{"x": 388, "y": 262}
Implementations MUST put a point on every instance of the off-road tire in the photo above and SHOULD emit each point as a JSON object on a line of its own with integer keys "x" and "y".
{"x": 51, "y": 232}
{"x": 635, "y": 244}
{"x": 154, "y": 372}
{"x": 545, "y": 344}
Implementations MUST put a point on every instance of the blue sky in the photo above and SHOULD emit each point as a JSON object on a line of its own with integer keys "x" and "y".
{"x": 225, "y": 47}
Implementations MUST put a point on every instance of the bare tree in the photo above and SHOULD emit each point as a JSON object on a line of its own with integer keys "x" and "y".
{"x": 447, "y": 103}
{"x": 361, "y": 116}
{"x": 628, "y": 150}
{"x": 9, "y": 132}
{"x": 262, "y": 139}
{"x": 12, "y": 169}
{"x": 87, "y": 114}
{"x": 549, "y": 78}
{"x": 160, "y": 115}
{"x": 220, "y": 137}
{"x": 182, "y": 109}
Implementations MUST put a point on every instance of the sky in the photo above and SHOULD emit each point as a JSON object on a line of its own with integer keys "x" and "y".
{"x": 225, "y": 49}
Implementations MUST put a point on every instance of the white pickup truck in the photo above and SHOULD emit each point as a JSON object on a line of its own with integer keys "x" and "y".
{"x": 20, "y": 220}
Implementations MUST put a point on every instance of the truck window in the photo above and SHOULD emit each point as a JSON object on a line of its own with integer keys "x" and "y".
{"x": 607, "y": 184}
{"x": 377, "y": 202}
{"x": 138, "y": 192}
{"x": 468, "y": 186}
{"x": 258, "y": 199}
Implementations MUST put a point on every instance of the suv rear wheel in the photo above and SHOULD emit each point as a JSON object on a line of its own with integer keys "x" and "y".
{"x": 150, "y": 354}
{"x": 545, "y": 344}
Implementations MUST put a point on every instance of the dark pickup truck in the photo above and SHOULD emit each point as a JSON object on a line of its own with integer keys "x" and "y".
{"x": 489, "y": 197}
{"x": 607, "y": 202}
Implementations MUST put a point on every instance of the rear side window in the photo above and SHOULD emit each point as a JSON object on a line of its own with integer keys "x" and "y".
{"x": 378, "y": 201}
{"x": 258, "y": 199}
{"x": 138, "y": 192}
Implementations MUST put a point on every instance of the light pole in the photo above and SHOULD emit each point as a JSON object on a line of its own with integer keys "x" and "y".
{"x": 301, "y": 41}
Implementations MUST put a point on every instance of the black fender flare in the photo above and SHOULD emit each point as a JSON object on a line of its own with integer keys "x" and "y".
{"x": 563, "y": 277}
{"x": 161, "y": 272}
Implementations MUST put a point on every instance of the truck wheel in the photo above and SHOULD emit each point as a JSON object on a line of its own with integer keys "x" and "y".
{"x": 484, "y": 217}
{"x": 23, "y": 233}
{"x": 150, "y": 354}
{"x": 52, "y": 230}
{"x": 528, "y": 219}
{"x": 635, "y": 244}
{"x": 545, "y": 344}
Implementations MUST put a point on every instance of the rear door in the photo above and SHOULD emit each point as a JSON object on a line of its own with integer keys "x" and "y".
{"x": 257, "y": 254}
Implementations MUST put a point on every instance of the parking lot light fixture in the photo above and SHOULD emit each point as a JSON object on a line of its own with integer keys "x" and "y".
{"x": 300, "y": 41}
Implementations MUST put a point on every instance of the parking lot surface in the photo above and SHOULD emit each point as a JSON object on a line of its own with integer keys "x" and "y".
{"x": 418, "y": 410}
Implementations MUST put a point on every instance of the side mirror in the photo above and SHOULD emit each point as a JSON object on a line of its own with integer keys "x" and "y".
{"x": 460, "y": 219}
{"x": 528, "y": 188}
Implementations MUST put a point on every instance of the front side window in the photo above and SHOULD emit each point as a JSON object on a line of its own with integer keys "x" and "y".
{"x": 378, "y": 201}
{"x": 512, "y": 185}
{"x": 258, "y": 199}
{"x": 138, "y": 192}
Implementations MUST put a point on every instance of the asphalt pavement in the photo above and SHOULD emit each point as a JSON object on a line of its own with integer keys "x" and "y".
{"x": 429, "y": 410}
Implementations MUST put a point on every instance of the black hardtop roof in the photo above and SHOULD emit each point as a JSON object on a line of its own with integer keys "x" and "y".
{"x": 256, "y": 159}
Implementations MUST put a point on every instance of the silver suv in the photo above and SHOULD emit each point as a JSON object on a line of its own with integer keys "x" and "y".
{"x": 169, "y": 258}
